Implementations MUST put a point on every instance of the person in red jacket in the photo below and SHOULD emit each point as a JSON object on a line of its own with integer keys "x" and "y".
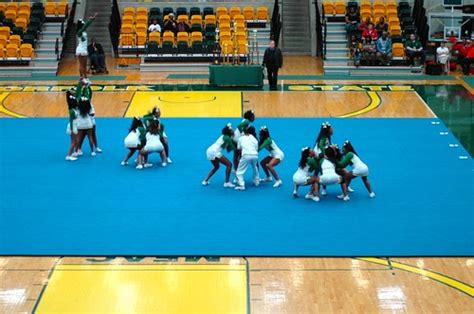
{"x": 370, "y": 32}
{"x": 468, "y": 59}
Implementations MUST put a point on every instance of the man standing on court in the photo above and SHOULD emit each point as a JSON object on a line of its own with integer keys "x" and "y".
{"x": 272, "y": 60}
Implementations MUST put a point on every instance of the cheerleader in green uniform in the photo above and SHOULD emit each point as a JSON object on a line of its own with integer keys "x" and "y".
{"x": 270, "y": 162}
{"x": 84, "y": 90}
{"x": 249, "y": 117}
{"x": 215, "y": 156}
{"x": 359, "y": 168}
{"x": 304, "y": 174}
{"x": 153, "y": 144}
{"x": 135, "y": 139}
{"x": 155, "y": 114}
{"x": 71, "y": 128}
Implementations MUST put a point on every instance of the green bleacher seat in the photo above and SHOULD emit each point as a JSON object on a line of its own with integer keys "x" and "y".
{"x": 167, "y": 48}
{"x": 194, "y": 11}
{"x": 17, "y": 31}
{"x": 182, "y": 47}
{"x": 167, "y": 11}
{"x": 181, "y": 11}
{"x": 29, "y": 39}
{"x": 196, "y": 28}
{"x": 152, "y": 48}
{"x": 207, "y": 11}
{"x": 210, "y": 28}
{"x": 154, "y": 11}
{"x": 210, "y": 36}
{"x": 197, "y": 47}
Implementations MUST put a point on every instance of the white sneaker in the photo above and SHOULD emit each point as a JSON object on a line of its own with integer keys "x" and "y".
{"x": 93, "y": 154}
{"x": 74, "y": 154}
{"x": 168, "y": 160}
{"x": 316, "y": 198}
{"x": 240, "y": 188}
{"x": 235, "y": 180}
{"x": 139, "y": 167}
{"x": 277, "y": 183}
{"x": 267, "y": 179}
{"x": 295, "y": 194}
{"x": 350, "y": 189}
{"x": 71, "y": 158}
{"x": 324, "y": 192}
{"x": 256, "y": 182}
{"x": 148, "y": 165}
{"x": 98, "y": 150}
{"x": 340, "y": 196}
{"x": 229, "y": 185}
{"x": 79, "y": 153}
{"x": 204, "y": 182}
{"x": 372, "y": 195}
{"x": 346, "y": 198}
{"x": 124, "y": 163}
{"x": 163, "y": 164}
{"x": 309, "y": 196}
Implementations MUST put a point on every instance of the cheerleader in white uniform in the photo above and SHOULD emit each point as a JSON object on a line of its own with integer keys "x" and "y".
{"x": 248, "y": 145}
{"x": 71, "y": 128}
{"x": 303, "y": 175}
{"x": 84, "y": 123}
{"x": 81, "y": 49}
{"x": 359, "y": 168}
{"x": 322, "y": 141}
{"x": 215, "y": 156}
{"x": 328, "y": 174}
{"x": 153, "y": 145}
{"x": 270, "y": 162}
{"x": 134, "y": 140}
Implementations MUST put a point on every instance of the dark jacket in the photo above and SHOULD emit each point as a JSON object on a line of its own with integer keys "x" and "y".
{"x": 98, "y": 49}
{"x": 273, "y": 58}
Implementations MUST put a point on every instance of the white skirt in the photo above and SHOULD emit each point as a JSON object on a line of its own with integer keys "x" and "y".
{"x": 361, "y": 171}
{"x": 329, "y": 179}
{"x": 84, "y": 123}
{"x": 132, "y": 141}
{"x": 74, "y": 128}
{"x": 300, "y": 178}
{"x": 213, "y": 153}
{"x": 154, "y": 147}
{"x": 278, "y": 154}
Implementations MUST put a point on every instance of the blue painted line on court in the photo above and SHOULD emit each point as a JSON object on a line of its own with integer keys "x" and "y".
{"x": 94, "y": 206}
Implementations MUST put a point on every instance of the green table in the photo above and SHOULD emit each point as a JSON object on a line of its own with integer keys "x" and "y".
{"x": 236, "y": 75}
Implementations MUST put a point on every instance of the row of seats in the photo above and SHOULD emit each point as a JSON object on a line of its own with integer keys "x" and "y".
{"x": 14, "y": 52}
{"x": 332, "y": 7}
{"x": 197, "y": 47}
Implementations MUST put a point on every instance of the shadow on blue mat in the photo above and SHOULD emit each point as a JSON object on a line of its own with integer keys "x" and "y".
{"x": 94, "y": 206}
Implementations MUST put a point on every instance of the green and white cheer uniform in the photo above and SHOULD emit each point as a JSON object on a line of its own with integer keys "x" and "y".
{"x": 302, "y": 175}
{"x": 272, "y": 147}
{"x": 223, "y": 142}
{"x": 359, "y": 168}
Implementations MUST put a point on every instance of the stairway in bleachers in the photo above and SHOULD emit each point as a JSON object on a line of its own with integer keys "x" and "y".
{"x": 296, "y": 34}
{"x": 336, "y": 42}
{"x": 46, "y": 62}
{"x": 99, "y": 29}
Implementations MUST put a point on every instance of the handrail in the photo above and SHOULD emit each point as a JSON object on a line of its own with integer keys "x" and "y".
{"x": 325, "y": 32}
{"x": 319, "y": 32}
{"x": 114, "y": 26}
{"x": 56, "y": 49}
{"x": 275, "y": 24}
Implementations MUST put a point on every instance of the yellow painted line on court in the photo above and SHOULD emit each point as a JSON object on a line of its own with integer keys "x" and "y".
{"x": 146, "y": 289}
{"x": 206, "y": 104}
{"x": 451, "y": 282}
{"x": 4, "y": 110}
{"x": 375, "y": 102}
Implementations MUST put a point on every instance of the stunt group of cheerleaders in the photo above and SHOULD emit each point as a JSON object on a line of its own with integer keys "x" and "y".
{"x": 320, "y": 166}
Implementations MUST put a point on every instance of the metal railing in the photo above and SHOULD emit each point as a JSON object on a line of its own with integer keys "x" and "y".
{"x": 275, "y": 24}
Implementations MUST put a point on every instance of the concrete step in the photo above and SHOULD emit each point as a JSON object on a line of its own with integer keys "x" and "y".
{"x": 175, "y": 67}
{"x": 373, "y": 70}
{"x": 336, "y": 45}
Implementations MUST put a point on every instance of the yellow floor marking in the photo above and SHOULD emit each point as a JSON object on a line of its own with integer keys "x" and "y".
{"x": 451, "y": 282}
{"x": 374, "y": 103}
{"x": 4, "y": 110}
{"x": 146, "y": 289}
{"x": 187, "y": 104}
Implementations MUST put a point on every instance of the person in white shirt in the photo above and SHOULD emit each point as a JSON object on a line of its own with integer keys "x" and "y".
{"x": 248, "y": 144}
{"x": 154, "y": 27}
{"x": 442, "y": 55}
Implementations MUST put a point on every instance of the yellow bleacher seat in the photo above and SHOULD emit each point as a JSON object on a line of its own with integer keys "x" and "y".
{"x": 196, "y": 36}
{"x": 142, "y": 19}
{"x": 239, "y": 18}
{"x": 25, "y": 14}
{"x": 141, "y": 11}
{"x": 210, "y": 20}
{"x": 242, "y": 47}
{"x": 26, "y": 51}
{"x": 224, "y": 18}
{"x": 340, "y": 7}
{"x": 2, "y": 51}
{"x": 155, "y": 36}
{"x": 22, "y": 22}
{"x": 141, "y": 28}
{"x": 127, "y": 39}
{"x": 249, "y": 13}
{"x": 168, "y": 36}
{"x": 182, "y": 36}
{"x": 329, "y": 8}
{"x": 365, "y": 4}
{"x": 183, "y": 18}
{"x": 3, "y": 40}
{"x": 365, "y": 14}
{"x": 12, "y": 6}
{"x": 221, "y": 11}
{"x": 129, "y": 11}
{"x": 5, "y": 31}
{"x": 391, "y": 13}
{"x": 391, "y": 4}
{"x": 11, "y": 14}
{"x": 234, "y": 11}
{"x": 240, "y": 27}
{"x": 227, "y": 47}
{"x": 224, "y": 36}
{"x": 379, "y": 5}
{"x": 12, "y": 51}
{"x": 241, "y": 36}
{"x": 62, "y": 8}
{"x": 128, "y": 19}
{"x": 224, "y": 27}
{"x": 3, "y": 7}
{"x": 398, "y": 50}
{"x": 15, "y": 39}
{"x": 141, "y": 38}
{"x": 126, "y": 29}
{"x": 50, "y": 8}
{"x": 196, "y": 19}
{"x": 394, "y": 22}
{"x": 395, "y": 30}
{"x": 378, "y": 13}
{"x": 25, "y": 6}
{"x": 262, "y": 13}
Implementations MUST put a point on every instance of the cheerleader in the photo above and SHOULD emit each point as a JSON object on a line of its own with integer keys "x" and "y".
{"x": 135, "y": 139}
{"x": 84, "y": 90}
{"x": 324, "y": 139}
{"x": 302, "y": 176}
{"x": 248, "y": 145}
{"x": 81, "y": 50}
{"x": 153, "y": 144}
{"x": 214, "y": 155}
{"x": 270, "y": 162}
{"x": 249, "y": 117}
{"x": 359, "y": 168}
{"x": 84, "y": 125}
{"x": 71, "y": 128}
{"x": 155, "y": 114}
{"x": 328, "y": 174}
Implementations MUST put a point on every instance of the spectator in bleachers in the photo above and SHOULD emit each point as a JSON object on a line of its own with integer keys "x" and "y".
{"x": 442, "y": 55}
{"x": 384, "y": 49}
{"x": 97, "y": 57}
{"x": 370, "y": 32}
{"x": 369, "y": 51}
{"x": 459, "y": 50}
{"x": 171, "y": 24}
{"x": 154, "y": 27}
{"x": 414, "y": 49}
{"x": 352, "y": 19}
{"x": 381, "y": 26}
{"x": 183, "y": 27}
{"x": 355, "y": 49}
{"x": 365, "y": 25}
{"x": 468, "y": 59}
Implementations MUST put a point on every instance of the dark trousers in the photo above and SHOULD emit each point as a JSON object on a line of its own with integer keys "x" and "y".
{"x": 98, "y": 62}
{"x": 413, "y": 54}
{"x": 272, "y": 74}
{"x": 466, "y": 65}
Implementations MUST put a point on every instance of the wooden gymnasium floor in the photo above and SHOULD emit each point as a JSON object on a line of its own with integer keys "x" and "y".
{"x": 237, "y": 285}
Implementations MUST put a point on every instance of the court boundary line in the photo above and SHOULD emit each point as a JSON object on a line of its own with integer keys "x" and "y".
{"x": 5, "y": 110}
{"x": 40, "y": 296}
{"x": 374, "y": 103}
{"x": 426, "y": 104}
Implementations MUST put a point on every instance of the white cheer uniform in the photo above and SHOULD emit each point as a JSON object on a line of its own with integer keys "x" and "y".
{"x": 359, "y": 169}
{"x": 329, "y": 175}
{"x": 74, "y": 124}
{"x": 153, "y": 143}
{"x": 215, "y": 150}
{"x": 301, "y": 176}
{"x": 249, "y": 146}
{"x": 81, "y": 49}
{"x": 84, "y": 122}
{"x": 132, "y": 140}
